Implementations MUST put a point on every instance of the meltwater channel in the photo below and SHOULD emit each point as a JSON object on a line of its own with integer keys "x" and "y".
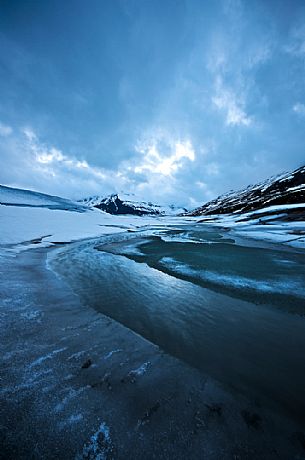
{"x": 233, "y": 309}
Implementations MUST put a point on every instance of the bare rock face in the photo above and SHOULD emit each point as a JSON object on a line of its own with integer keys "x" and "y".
{"x": 285, "y": 189}
{"x": 114, "y": 205}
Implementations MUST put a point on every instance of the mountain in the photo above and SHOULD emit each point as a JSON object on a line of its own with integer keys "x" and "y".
{"x": 10, "y": 196}
{"x": 283, "y": 192}
{"x": 123, "y": 204}
{"x": 113, "y": 204}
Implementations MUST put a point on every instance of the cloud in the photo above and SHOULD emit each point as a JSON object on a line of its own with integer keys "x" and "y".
{"x": 163, "y": 156}
{"x": 55, "y": 161}
{"x": 5, "y": 130}
{"x": 150, "y": 174}
{"x": 232, "y": 106}
{"x": 31, "y": 163}
{"x": 239, "y": 49}
{"x": 299, "y": 108}
{"x": 296, "y": 42}
{"x": 51, "y": 160}
{"x": 156, "y": 172}
{"x": 217, "y": 85}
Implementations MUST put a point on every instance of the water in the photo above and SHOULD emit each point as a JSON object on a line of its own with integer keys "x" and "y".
{"x": 232, "y": 309}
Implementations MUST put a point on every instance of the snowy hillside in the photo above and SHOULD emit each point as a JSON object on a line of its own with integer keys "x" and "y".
{"x": 30, "y": 219}
{"x": 18, "y": 197}
{"x": 129, "y": 204}
{"x": 282, "y": 192}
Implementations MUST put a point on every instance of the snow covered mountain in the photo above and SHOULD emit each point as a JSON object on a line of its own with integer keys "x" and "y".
{"x": 127, "y": 204}
{"x": 285, "y": 191}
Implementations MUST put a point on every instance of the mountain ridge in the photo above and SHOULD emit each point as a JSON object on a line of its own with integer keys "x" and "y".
{"x": 284, "y": 189}
{"x": 118, "y": 204}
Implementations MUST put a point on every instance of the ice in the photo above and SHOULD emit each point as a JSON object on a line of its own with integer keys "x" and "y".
{"x": 32, "y": 315}
{"x": 30, "y": 220}
{"x": 140, "y": 370}
{"x": 50, "y": 355}
{"x": 281, "y": 286}
{"x": 27, "y": 228}
{"x": 76, "y": 355}
{"x": 264, "y": 224}
{"x": 72, "y": 393}
{"x": 72, "y": 420}
{"x": 108, "y": 355}
{"x": 100, "y": 445}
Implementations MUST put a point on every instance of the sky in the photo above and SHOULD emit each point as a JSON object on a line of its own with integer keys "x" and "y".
{"x": 176, "y": 101}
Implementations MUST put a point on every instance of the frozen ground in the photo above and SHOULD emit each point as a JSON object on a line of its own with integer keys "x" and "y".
{"x": 25, "y": 227}
{"x": 276, "y": 224}
{"x": 30, "y": 219}
{"x": 76, "y": 384}
{"x": 18, "y": 197}
{"x": 39, "y": 226}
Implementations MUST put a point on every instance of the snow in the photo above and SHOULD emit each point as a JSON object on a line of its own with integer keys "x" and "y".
{"x": 297, "y": 188}
{"x": 108, "y": 355}
{"x": 274, "y": 208}
{"x": 287, "y": 178}
{"x": 23, "y": 226}
{"x": 11, "y": 196}
{"x": 265, "y": 228}
{"x": 134, "y": 202}
{"x": 140, "y": 370}
{"x": 32, "y": 227}
{"x": 30, "y": 220}
{"x": 258, "y": 195}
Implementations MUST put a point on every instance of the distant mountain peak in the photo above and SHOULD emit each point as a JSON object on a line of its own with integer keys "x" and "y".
{"x": 118, "y": 203}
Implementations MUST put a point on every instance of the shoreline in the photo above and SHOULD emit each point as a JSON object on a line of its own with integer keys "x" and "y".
{"x": 77, "y": 384}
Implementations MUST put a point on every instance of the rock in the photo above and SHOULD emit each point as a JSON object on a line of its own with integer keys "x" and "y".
{"x": 252, "y": 419}
{"x": 87, "y": 364}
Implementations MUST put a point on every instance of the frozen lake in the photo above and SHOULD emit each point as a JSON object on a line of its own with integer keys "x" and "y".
{"x": 230, "y": 307}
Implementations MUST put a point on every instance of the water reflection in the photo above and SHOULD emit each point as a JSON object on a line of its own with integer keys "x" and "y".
{"x": 255, "y": 349}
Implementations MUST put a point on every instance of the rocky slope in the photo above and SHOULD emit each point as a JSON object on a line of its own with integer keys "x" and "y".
{"x": 279, "y": 191}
